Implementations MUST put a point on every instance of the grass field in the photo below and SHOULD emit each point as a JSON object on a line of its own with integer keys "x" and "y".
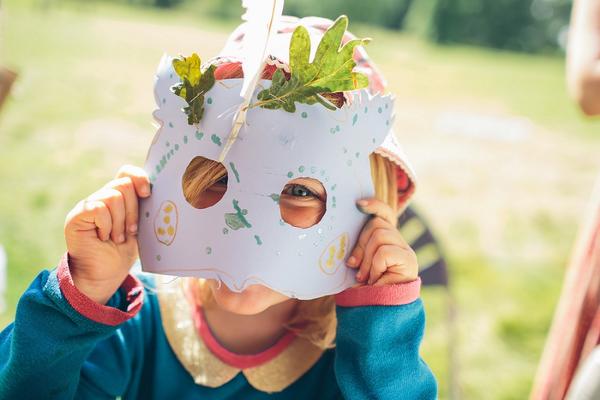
{"x": 505, "y": 162}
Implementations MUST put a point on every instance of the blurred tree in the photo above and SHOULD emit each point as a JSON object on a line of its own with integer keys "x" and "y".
{"x": 386, "y": 13}
{"x": 523, "y": 25}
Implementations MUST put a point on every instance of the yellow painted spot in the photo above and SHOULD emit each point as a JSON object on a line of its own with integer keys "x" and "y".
{"x": 342, "y": 252}
{"x": 333, "y": 254}
{"x": 165, "y": 222}
{"x": 329, "y": 262}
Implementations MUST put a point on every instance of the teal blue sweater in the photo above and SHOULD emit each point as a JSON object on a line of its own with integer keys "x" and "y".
{"x": 61, "y": 346}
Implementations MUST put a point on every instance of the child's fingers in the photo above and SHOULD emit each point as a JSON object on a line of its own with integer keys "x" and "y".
{"x": 139, "y": 178}
{"x": 402, "y": 267}
{"x": 92, "y": 213}
{"x": 356, "y": 256}
{"x": 116, "y": 205}
{"x": 377, "y": 208}
{"x": 379, "y": 237}
{"x": 386, "y": 256}
{"x": 125, "y": 186}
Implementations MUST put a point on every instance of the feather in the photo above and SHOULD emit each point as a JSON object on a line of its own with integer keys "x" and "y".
{"x": 261, "y": 19}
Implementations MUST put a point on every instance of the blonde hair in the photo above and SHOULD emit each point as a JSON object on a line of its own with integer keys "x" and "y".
{"x": 314, "y": 320}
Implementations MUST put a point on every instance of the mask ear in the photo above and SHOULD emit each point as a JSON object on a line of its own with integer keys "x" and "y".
{"x": 166, "y": 100}
{"x": 373, "y": 116}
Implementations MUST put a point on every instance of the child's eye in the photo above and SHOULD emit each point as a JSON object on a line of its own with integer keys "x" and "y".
{"x": 298, "y": 191}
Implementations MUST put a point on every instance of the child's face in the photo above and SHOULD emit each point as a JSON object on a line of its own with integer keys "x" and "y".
{"x": 253, "y": 300}
{"x": 302, "y": 204}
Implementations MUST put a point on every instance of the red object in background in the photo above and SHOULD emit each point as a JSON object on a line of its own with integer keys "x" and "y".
{"x": 575, "y": 330}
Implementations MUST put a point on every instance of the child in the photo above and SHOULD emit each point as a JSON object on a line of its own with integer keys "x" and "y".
{"x": 88, "y": 329}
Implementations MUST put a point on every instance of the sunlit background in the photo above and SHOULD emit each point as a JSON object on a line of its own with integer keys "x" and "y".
{"x": 505, "y": 161}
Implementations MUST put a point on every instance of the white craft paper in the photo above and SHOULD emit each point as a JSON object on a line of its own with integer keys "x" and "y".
{"x": 242, "y": 239}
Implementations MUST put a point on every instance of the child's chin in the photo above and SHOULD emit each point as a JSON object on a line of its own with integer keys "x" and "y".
{"x": 253, "y": 300}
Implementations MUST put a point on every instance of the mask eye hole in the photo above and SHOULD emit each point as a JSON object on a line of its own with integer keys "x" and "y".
{"x": 302, "y": 202}
{"x": 204, "y": 182}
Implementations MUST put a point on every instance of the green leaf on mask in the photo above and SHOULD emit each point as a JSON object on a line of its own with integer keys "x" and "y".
{"x": 310, "y": 83}
{"x": 193, "y": 86}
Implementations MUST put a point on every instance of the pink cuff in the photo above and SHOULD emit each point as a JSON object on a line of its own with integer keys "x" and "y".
{"x": 131, "y": 286}
{"x": 386, "y": 295}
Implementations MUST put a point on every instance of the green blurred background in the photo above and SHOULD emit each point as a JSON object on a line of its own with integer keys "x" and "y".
{"x": 505, "y": 161}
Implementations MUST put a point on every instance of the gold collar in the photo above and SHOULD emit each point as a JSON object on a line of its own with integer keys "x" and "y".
{"x": 206, "y": 368}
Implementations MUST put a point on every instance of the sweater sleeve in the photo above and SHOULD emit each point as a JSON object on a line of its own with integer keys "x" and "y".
{"x": 377, "y": 347}
{"x": 64, "y": 345}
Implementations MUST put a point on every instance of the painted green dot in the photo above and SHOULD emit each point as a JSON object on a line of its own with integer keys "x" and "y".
{"x": 380, "y": 110}
{"x": 199, "y": 135}
{"x": 216, "y": 139}
{"x": 281, "y": 222}
{"x": 333, "y": 186}
{"x": 225, "y": 231}
{"x": 304, "y": 114}
{"x": 158, "y": 257}
{"x": 164, "y": 100}
{"x": 176, "y": 146}
{"x": 158, "y": 169}
{"x": 290, "y": 174}
{"x": 170, "y": 76}
{"x": 337, "y": 128}
{"x": 354, "y": 119}
{"x": 167, "y": 144}
{"x": 345, "y": 150}
{"x": 147, "y": 214}
{"x": 387, "y": 122}
{"x": 258, "y": 240}
{"x": 170, "y": 125}
{"x": 301, "y": 168}
{"x": 374, "y": 140}
{"x": 235, "y": 171}
{"x": 168, "y": 156}
{"x": 209, "y": 100}
{"x": 386, "y": 106}
{"x": 366, "y": 110}
{"x": 357, "y": 154}
{"x": 185, "y": 139}
{"x": 332, "y": 131}
{"x": 313, "y": 169}
{"x": 208, "y": 250}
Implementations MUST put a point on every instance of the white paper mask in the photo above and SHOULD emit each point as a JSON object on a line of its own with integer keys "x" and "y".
{"x": 242, "y": 240}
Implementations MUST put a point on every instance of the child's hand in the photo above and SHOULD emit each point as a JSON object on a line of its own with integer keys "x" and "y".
{"x": 381, "y": 255}
{"x": 101, "y": 234}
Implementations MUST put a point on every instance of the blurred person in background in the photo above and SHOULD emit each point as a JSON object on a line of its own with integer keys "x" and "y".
{"x": 570, "y": 365}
